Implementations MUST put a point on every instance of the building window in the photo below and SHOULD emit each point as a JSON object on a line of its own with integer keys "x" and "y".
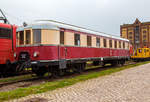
{"x": 144, "y": 44}
{"x": 123, "y": 44}
{"x": 37, "y": 36}
{"x": 144, "y": 40}
{"x": 110, "y": 43}
{"x": 28, "y": 37}
{"x": 144, "y": 27}
{"x": 130, "y": 33}
{"x": 62, "y": 37}
{"x": 21, "y": 38}
{"x": 144, "y": 31}
{"x": 77, "y": 39}
{"x": 130, "y": 28}
{"x": 105, "y": 43}
{"x": 119, "y": 44}
{"x": 98, "y": 42}
{"x": 89, "y": 41}
{"x": 130, "y": 37}
{"x": 144, "y": 36}
{"x": 115, "y": 44}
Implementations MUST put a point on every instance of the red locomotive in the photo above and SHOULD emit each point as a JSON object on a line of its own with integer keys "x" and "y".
{"x": 7, "y": 47}
{"x": 55, "y": 47}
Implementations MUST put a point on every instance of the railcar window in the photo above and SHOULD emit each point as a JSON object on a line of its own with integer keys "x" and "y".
{"x": 115, "y": 44}
{"x": 119, "y": 44}
{"x": 98, "y": 42}
{"x": 110, "y": 43}
{"x": 17, "y": 38}
{"x": 21, "y": 38}
{"x": 123, "y": 44}
{"x": 140, "y": 51}
{"x": 89, "y": 41}
{"x": 28, "y": 37}
{"x": 105, "y": 43}
{"x": 77, "y": 39}
{"x": 62, "y": 37}
{"x": 37, "y": 36}
{"x": 5, "y": 33}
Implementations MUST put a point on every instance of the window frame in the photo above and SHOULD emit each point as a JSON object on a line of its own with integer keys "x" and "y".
{"x": 40, "y": 34}
{"x": 62, "y": 37}
{"x": 77, "y": 39}
{"x": 97, "y": 42}
{"x": 120, "y": 44}
{"x": 110, "y": 43}
{"x": 89, "y": 40}
{"x": 29, "y": 36}
{"x": 21, "y": 37}
{"x": 115, "y": 42}
{"x": 105, "y": 42}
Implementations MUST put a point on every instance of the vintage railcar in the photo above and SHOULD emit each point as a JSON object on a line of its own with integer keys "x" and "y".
{"x": 7, "y": 48}
{"x": 51, "y": 46}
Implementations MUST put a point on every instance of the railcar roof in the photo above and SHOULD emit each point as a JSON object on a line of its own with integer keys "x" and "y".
{"x": 50, "y": 24}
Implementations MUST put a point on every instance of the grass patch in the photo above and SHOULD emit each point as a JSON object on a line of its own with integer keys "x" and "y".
{"x": 21, "y": 92}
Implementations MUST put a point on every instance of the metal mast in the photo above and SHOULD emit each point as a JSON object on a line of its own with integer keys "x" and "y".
{"x": 4, "y": 17}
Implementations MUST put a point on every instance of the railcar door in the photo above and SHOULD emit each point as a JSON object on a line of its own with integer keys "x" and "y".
{"x": 62, "y": 56}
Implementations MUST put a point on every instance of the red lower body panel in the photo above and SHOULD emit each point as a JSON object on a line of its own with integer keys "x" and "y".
{"x": 70, "y": 52}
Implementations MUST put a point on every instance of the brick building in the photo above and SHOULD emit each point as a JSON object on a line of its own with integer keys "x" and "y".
{"x": 138, "y": 33}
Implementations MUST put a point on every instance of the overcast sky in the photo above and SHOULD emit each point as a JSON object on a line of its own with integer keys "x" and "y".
{"x": 102, "y": 15}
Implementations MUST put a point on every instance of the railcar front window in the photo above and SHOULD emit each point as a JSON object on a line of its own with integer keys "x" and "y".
{"x": 5, "y": 33}
{"x": 28, "y": 37}
{"x": 21, "y": 38}
{"x": 36, "y": 36}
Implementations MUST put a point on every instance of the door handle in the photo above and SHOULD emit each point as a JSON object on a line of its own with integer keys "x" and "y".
{"x": 65, "y": 52}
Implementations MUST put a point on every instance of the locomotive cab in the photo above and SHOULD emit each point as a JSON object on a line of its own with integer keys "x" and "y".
{"x": 7, "y": 48}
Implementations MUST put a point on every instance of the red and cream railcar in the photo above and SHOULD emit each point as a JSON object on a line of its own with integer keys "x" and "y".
{"x": 7, "y": 48}
{"x": 55, "y": 46}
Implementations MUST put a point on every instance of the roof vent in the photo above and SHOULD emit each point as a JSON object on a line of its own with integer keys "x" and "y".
{"x": 25, "y": 24}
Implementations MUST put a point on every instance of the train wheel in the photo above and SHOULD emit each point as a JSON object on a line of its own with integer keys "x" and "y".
{"x": 96, "y": 63}
{"x": 79, "y": 68}
{"x": 103, "y": 64}
{"x": 39, "y": 71}
{"x": 122, "y": 62}
{"x": 55, "y": 72}
{"x": 114, "y": 63}
{"x": 7, "y": 70}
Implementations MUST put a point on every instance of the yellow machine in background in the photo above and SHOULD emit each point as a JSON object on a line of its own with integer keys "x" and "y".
{"x": 141, "y": 54}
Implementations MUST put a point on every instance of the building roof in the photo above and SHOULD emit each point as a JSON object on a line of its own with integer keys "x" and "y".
{"x": 50, "y": 24}
{"x": 136, "y": 22}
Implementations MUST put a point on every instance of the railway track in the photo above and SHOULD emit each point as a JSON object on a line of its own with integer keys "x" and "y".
{"x": 33, "y": 79}
{"x": 13, "y": 82}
